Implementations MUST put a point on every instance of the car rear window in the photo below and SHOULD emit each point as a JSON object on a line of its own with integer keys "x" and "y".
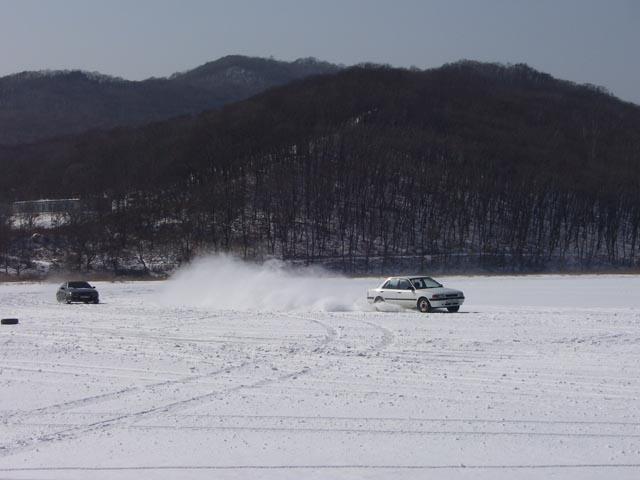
{"x": 79, "y": 285}
{"x": 391, "y": 284}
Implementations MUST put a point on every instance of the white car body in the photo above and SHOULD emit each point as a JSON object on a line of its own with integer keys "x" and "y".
{"x": 421, "y": 292}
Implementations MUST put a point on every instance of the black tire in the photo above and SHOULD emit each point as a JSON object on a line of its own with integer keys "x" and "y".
{"x": 9, "y": 321}
{"x": 378, "y": 300}
{"x": 423, "y": 305}
{"x": 453, "y": 309}
{"x": 96, "y": 301}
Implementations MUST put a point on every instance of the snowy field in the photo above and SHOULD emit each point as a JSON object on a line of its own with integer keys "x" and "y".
{"x": 212, "y": 375}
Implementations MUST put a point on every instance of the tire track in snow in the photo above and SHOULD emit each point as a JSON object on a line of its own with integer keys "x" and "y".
{"x": 387, "y": 337}
{"x": 396, "y": 419}
{"x": 550, "y": 466}
{"x": 382, "y": 431}
{"x": 83, "y": 402}
{"x": 331, "y": 334}
{"x": 123, "y": 420}
{"x": 358, "y": 427}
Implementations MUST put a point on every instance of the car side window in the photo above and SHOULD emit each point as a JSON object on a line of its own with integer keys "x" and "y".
{"x": 391, "y": 285}
{"x": 404, "y": 285}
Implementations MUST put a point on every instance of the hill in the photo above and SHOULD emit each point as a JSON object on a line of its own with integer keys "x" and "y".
{"x": 468, "y": 166}
{"x": 39, "y": 105}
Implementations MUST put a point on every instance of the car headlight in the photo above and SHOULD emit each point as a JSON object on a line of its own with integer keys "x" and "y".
{"x": 436, "y": 296}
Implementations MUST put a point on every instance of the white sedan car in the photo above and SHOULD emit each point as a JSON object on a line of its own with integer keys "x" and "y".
{"x": 423, "y": 293}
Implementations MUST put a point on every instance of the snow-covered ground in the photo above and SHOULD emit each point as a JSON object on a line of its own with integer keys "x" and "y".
{"x": 536, "y": 377}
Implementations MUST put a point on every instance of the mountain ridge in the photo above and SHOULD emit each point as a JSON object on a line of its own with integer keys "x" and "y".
{"x": 43, "y": 104}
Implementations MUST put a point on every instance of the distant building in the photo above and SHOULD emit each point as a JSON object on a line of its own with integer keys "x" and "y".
{"x": 59, "y": 206}
{"x": 52, "y": 213}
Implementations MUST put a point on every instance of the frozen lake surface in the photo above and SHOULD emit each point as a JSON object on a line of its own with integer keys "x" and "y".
{"x": 279, "y": 376}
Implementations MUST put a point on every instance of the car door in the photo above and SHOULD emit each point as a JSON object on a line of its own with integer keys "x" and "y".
{"x": 392, "y": 293}
{"x": 405, "y": 293}
{"x": 389, "y": 290}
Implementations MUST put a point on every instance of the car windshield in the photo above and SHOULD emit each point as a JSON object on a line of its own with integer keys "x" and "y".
{"x": 79, "y": 285}
{"x": 425, "y": 282}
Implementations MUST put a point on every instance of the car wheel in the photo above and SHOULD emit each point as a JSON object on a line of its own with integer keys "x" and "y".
{"x": 378, "y": 300}
{"x": 96, "y": 301}
{"x": 453, "y": 309}
{"x": 423, "y": 305}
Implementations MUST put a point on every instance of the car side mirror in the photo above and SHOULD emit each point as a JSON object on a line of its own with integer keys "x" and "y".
{"x": 93, "y": 287}
{"x": 62, "y": 288}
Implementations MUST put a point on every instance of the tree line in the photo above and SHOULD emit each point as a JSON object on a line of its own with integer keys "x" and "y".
{"x": 470, "y": 166}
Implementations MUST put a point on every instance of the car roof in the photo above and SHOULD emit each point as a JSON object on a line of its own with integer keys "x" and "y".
{"x": 407, "y": 276}
{"x": 395, "y": 278}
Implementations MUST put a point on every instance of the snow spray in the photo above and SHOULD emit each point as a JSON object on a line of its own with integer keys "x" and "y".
{"x": 227, "y": 283}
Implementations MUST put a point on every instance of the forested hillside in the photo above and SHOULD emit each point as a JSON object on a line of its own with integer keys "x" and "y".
{"x": 469, "y": 166}
{"x": 40, "y": 105}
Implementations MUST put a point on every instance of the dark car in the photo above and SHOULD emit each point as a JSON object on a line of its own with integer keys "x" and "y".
{"x": 77, "y": 292}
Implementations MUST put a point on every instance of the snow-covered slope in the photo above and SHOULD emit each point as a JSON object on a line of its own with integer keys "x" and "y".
{"x": 536, "y": 377}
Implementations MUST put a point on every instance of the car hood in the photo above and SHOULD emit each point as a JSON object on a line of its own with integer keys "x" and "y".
{"x": 444, "y": 290}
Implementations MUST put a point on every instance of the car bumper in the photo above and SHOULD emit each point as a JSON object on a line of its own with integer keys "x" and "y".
{"x": 446, "y": 302}
{"x": 83, "y": 298}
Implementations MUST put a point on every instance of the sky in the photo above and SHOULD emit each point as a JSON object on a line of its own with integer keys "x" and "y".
{"x": 585, "y": 41}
